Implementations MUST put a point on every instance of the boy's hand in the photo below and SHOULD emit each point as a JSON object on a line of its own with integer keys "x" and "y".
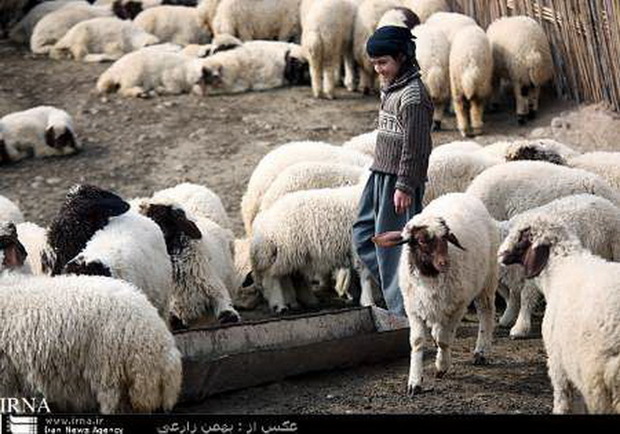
{"x": 402, "y": 201}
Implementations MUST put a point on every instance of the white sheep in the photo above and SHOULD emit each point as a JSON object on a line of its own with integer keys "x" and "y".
{"x": 531, "y": 149}
{"x": 130, "y": 9}
{"x": 34, "y": 239}
{"x": 130, "y": 247}
{"x": 101, "y": 39}
{"x": 206, "y": 12}
{"x": 604, "y": 164}
{"x": 511, "y": 188}
{"x": 450, "y": 23}
{"x": 202, "y": 261}
{"x": 432, "y": 54}
{"x": 521, "y": 55}
{"x": 259, "y": 19}
{"x": 327, "y": 38}
{"x": 13, "y": 254}
{"x": 594, "y": 220}
{"x": 22, "y": 31}
{"x": 369, "y": 14}
{"x": 197, "y": 200}
{"x": 439, "y": 281}
{"x": 41, "y": 131}
{"x": 425, "y": 8}
{"x": 581, "y": 326}
{"x": 458, "y": 146}
{"x": 9, "y": 211}
{"x": 471, "y": 71}
{"x": 272, "y": 164}
{"x": 153, "y": 71}
{"x": 53, "y": 26}
{"x": 255, "y": 65}
{"x": 177, "y": 24}
{"x": 103, "y": 348}
{"x": 364, "y": 143}
{"x": 399, "y": 17}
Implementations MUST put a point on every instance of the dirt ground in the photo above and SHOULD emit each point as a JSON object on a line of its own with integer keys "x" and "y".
{"x": 136, "y": 147}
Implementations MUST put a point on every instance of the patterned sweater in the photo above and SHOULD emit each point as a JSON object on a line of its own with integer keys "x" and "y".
{"x": 404, "y": 131}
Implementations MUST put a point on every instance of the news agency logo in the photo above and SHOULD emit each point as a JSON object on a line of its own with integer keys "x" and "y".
{"x": 18, "y": 424}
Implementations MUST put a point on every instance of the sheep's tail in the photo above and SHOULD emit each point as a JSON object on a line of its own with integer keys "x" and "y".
{"x": 469, "y": 81}
{"x": 435, "y": 79}
{"x": 106, "y": 83}
{"x": 313, "y": 45}
{"x": 537, "y": 70}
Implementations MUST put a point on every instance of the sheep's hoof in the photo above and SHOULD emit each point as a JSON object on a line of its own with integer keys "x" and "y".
{"x": 440, "y": 374}
{"x": 532, "y": 115}
{"x": 280, "y": 310}
{"x": 228, "y": 317}
{"x": 519, "y": 335}
{"x": 521, "y": 119}
{"x": 413, "y": 390}
{"x": 479, "y": 359}
{"x": 476, "y": 132}
{"x": 436, "y": 125}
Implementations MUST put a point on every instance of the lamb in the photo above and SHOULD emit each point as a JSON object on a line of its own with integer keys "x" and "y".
{"x": 581, "y": 325}
{"x": 259, "y": 19}
{"x": 511, "y": 188}
{"x": 450, "y": 23}
{"x": 604, "y": 164}
{"x": 22, "y": 31}
{"x": 270, "y": 166}
{"x": 201, "y": 252}
{"x": 425, "y": 8}
{"x": 432, "y": 54}
{"x": 521, "y": 55}
{"x": 364, "y": 143}
{"x": 149, "y": 72}
{"x": 438, "y": 283}
{"x": 327, "y": 38}
{"x": 308, "y": 176}
{"x": 256, "y": 65}
{"x": 86, "y": 209}
{"x": 9, "y": 211}
{"x": 594, "y": 220}
{"x": 471, "y": 70}
{"x": 34, "y": 239}
{"x": 130, "y": 247}
{"x": 177, "y": 24}
{"x": 53, "y": 26}
{"x": 41, "y": 131}
{"x": 368, "y": 15}
{"x": 103, "y": 347}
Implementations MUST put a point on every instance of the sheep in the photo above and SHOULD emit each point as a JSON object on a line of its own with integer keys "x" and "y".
{"x": 197, "y": 200}
{"x": 86, "y": 209}
{"x": 521, "y": 55}
{"x": 450, "y": 23}
{"x": 302, "y": 235}
{"x": 259, "y": 19}
{"x": 206, "y": 10}
{"x": 9, "y": 211}
{"x": 308, "y": 176}
{"x": 53, "y": 26}
{"x": 12, "y": 252}
{"x": 511, "y": 188}
{"x": 364, "y": 143}
{"x": 453, "y": 172}
{"x": 581, "y": 325}
{"x": 149, "y": 72}
{"x": 103, "y": 347}
{"x": 604, "y": 164}
{"x": 130, "y": 247}
{"x": 176, "y": 24}
{"x": 41, "y": 131}
{"x": 130, "y": 9}
{"x": 255, "y": 65}
{"x": 201, "y": 252}
{"x": 399, "y": 17}
{"x": 22, "y": 31}
{"x": 369, "y": 13}
{"x": 540, "y": 149}
{"x": 458, "y": 146}
{"x": 594, "y": 220}
{"x": 101, "y": 39}
{"x": 327, "y": 38}
{"x": 439, "y": 283}
{"x": 471, "y": 69}
{"x": 270, "y": 166}
{"x": 432, "y": 54}
{"x": 34, "y": 239}
{"x": 425, "y": 8}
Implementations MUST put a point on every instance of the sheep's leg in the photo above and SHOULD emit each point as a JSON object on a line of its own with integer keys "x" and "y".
{"x": 274, "y": 293}
{"x": 443, "y": 335}
{"x": 349, "y": 71}
{"x": 416, "y": 341}
{"x": 462, "y": 117}
{"x": 533, "y": 97}
{"x": 290, "y": 296}
{"x": 366, "y": 84}
{"x": 223, "y": 306}
{"x": 330, "y": 71}
{"x": 476, "y": 111}
{"x": 513, "y": 303}
{"x": 562, "y": 388}
{"x": 367, "y": 282}
{"x": 485, "y": 309}
{"x": 529, "y": 300}
{"x": 342, "y": 283}
{"x": 316, "y": 75}
{"x": 136, "y": 92}
{"x": 521, "y": 93}
{"x": 438, "y": 115}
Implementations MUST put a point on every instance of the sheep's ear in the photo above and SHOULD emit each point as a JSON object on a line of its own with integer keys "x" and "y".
{"x": 535, "y": 259}
{"x": 389, "y": 239}
{"x": 50, "y": 137}
{"x": 248, "y": 281}
{"x": 451, "y": 238}
{"x": 186, "y": 226}
{"x": 113, "y": 206}
{"x": 66, "y": 139}
{"x": 81, "y": 267}
{"x": 14, "y": 252}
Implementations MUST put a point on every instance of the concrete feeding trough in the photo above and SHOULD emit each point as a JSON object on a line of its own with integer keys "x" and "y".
{"x": 229, "y": 357}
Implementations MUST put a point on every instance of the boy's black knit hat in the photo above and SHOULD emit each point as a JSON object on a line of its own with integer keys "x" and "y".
{"x": 389, "y": 41}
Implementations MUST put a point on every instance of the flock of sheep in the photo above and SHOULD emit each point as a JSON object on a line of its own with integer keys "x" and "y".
{"x": 112, "y": 277}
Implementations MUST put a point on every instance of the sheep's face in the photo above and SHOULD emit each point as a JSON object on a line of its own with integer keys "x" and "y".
{"x": 126, "y": 11}
{"x": 296, "y": 70}
{"x": 94, "y": 203}
{"x": 79, "y": 265}
{"x": 60, "y": 138}
{"x": 211, "y": 77}
{"x": 520, "y": 248}
{"x": 174, "y": 224}
{"x": 12, "y": 252}
{"x": 536, "y": 153}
